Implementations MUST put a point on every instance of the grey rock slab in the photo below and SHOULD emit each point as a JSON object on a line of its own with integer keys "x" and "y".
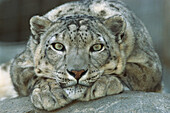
{"x": 126, "y": 102}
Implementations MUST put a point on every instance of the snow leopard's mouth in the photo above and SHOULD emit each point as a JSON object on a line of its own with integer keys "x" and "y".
{"x": 73, "y": 85}
{"x": 85, "y": 81}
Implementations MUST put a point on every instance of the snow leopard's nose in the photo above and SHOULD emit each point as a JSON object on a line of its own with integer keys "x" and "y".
{"x": 77, "y": 74}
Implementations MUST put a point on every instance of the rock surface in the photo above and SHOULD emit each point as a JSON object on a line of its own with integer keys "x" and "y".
{"x": 127, "y": 102}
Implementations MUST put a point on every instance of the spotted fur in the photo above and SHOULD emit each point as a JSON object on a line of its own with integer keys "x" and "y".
{"x": 126, "y": 56}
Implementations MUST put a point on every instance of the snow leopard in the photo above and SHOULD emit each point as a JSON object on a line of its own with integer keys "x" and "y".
{"x": 85, "y": 50}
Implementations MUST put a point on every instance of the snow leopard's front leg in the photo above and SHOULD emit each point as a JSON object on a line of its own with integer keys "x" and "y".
{"x": 45, "y": 92}
{"x": 48, "y": 95}
{"x": 105, "y": 85}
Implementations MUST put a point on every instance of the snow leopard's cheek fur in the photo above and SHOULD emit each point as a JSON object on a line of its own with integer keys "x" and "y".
{"x": 42, "y": 66}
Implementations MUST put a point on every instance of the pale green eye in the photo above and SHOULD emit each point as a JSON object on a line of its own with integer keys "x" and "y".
{"x": 96, "y": 47}
{"x": 58, "y": 46}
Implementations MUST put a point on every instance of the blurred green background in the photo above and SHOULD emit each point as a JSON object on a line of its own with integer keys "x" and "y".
{"x": 15, "y": 15}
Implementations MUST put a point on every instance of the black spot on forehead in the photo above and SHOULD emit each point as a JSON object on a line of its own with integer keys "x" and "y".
{"x": 70, "y": 9}
{"x": 103, "y": 13}
{"x": 111, "y": 5}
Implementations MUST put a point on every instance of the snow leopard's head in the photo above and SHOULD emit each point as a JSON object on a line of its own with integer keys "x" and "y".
{"x": 77, "y": 50}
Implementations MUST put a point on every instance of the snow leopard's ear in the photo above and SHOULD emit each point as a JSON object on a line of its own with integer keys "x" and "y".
{"x": 117, "y": 25}
{"x": 39, "y": 24}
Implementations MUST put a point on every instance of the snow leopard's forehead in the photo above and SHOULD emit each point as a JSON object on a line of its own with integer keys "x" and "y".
{"x": 79, "y": 30}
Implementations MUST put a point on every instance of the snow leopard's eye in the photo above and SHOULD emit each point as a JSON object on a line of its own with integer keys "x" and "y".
{"x": 96, "y": 47}
{"x": 58, "y": 46}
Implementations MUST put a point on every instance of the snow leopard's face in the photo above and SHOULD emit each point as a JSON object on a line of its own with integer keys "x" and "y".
{"x": 76, "y": 51}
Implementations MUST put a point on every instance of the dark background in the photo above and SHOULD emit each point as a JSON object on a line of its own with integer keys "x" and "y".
{"x": 15, "y": 15}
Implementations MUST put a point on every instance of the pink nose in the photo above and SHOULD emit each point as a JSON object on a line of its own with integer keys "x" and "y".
{"x": 77, "y": 74}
